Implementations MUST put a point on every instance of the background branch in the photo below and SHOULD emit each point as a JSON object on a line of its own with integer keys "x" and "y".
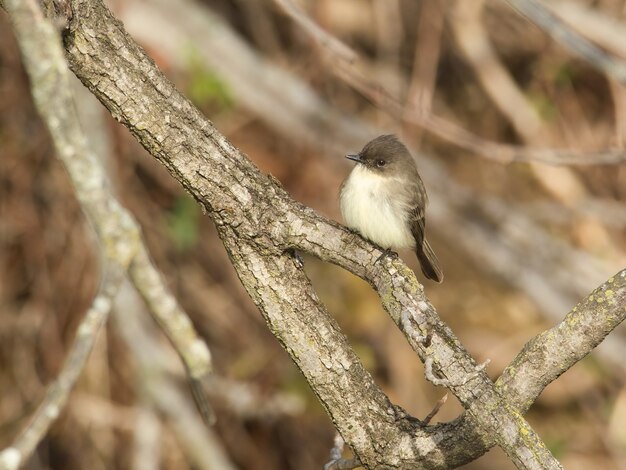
{"x": 577, "y": 44}
{"x": 118, "y": 233}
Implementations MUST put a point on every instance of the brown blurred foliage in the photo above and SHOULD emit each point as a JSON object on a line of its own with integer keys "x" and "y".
{"x": 48, "y": 270}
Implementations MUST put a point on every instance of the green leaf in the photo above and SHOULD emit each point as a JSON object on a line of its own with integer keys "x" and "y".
{"x": 205, "y": 87}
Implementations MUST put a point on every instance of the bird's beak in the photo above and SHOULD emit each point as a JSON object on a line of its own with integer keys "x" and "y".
{"x": 357, "y": 158}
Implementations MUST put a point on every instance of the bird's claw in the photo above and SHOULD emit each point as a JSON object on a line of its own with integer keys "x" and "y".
{"x": 298, "y": 259}
{"x": 387, "y": 253}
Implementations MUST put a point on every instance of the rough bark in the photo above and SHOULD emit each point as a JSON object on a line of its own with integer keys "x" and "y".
{"x": 260, "y": 224}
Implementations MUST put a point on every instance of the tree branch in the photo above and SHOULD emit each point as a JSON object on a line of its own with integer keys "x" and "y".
{"x": 545, "y": 357}
{"x": 548, "y": 355}
{"x": 58, "y": 392}
{"x": 540, "y": 15}
{"x": 444, "y": 129}
{"x": 258, "y": 223}
{"x": 118, "y": 233}
{"x": 200, "y": 442}
{"x": 496, "y": 233}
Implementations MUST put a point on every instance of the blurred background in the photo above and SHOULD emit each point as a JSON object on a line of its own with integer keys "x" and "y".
{"x": 466, "y": 84}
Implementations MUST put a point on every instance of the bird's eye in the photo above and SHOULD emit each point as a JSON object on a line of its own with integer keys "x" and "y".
{"x": 380, "y": 163}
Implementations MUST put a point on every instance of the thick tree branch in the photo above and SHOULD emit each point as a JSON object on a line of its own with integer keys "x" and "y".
{"x": 496, "y": 233}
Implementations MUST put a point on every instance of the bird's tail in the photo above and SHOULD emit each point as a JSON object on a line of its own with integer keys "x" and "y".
{"x": 429, "y": 262}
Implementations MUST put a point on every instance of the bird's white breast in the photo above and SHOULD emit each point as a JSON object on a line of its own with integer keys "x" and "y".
{"x": 369, "y": 206}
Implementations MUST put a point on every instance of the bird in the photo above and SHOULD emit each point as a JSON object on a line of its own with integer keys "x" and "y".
{"x": 384, "y": 199}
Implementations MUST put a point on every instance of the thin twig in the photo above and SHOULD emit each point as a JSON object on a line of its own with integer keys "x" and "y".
{"x": 389, "y": 33}
{"x": 58, "y": 391}
{"x": 540, "y": 15}
{"x": 475, "y": 44}
{"x": 320, "y": 35}
{"x": 169, "y": 314}
{"x": 147, "y": 430}
{"x": 495, "y": 79}
{"x": 160, "y": 389}
{"x": 447, "y": 130}
{"x": 337, "y": 462}
{"x": 117, "y": 232}
{"x": 435, "y": 409}
{"x": 442, "y": 128}
{"x": 426, "y": 57}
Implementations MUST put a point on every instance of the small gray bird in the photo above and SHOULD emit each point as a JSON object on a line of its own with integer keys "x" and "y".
{"x": 384, "y": 199}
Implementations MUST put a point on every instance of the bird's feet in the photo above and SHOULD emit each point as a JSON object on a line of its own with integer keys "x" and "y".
{"x": 387, "y": 253}
{"x": 298, "y": 259}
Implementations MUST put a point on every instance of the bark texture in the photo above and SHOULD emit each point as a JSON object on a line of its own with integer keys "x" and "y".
{"x": 260, "y": 225}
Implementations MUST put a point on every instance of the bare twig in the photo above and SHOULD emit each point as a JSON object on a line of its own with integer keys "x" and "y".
{"x": 472, "y": 40}
{"x": 58, "y": 392}
{"x": 321, "y": 36}
{"x": 389, "y": 38}
{"x": 501, "y": 88}
{"x": 461, "y": 137}
{"x": 117, "y": 232}
{"x": 442, "y": 401}
{"x": 171, "y": 317}
{"x": 618, "y": 91}
{"x": 199, "y": 441}
{"x": 604, "y": 29}
{"x": 261, "y": 24}
{"x": 147, "y": 437}
{"x": 426, "y": 59}
{"x": 449, "y": 131}
{"x": 540, "y": 15}
{"x": 609, "y": 212}
{"x": 609, "y": 33}
{"x": 337, "y": 462}
{"x": 242, "y": 399}
{"x": 246, "y": 401}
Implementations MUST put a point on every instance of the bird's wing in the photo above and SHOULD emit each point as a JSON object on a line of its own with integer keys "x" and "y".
{"x": 417, "y": 223}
